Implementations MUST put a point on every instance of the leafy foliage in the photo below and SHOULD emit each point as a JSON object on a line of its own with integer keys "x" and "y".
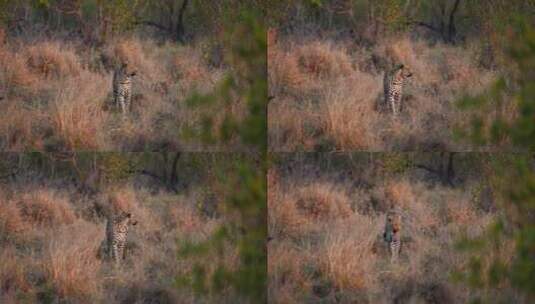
{"x": 499, "y": 130}
{"x": 245, "y": 206}
{"x": 513, "y": 179}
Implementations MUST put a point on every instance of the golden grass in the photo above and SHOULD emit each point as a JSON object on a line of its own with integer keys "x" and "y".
{"x": 49, "y": 246}
{"x": 57, "y": 95}
{"x": 288, "y": 279}
{"x": 11, "y": 220}
{"x": 49, "y": 59}
{"x": 45, "y": 208}
{"x": 76, "y": 112}
{"x": 71, "y": 264}
{"x": 15, "y": 70}
{"x": 347, "y": 259}
{"x": 322, "y": 250}
{"x": 327, "y": 95}
{"x": 322, "y": 60}
{"x": 12, "y": 273}
{"x": 319, "y": 201}
{"x": 17, "y": 128}
{"x": 350, "y": 119}
{"x": 301, "y": 210}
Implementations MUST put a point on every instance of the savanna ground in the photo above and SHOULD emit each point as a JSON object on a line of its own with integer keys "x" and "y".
{"x": 53, "y": 218}
{"x": 326, "y": 61}
{"x": 327, "y": 94}
{"x": 57, "y": 60}
{"x": 327, "y": 215}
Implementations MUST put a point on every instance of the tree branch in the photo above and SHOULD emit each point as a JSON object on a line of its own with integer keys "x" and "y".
{"x": 180, "y": 23}
{"x": 154, "y": 24}
{"x": 174, "y": 177}
{"x": 426, "y": 168}
{"x": 453, "y": 11}
{"x": 158, "y": 178}
{"x": 451, "y": 22}
{"x": 426, "y": 25}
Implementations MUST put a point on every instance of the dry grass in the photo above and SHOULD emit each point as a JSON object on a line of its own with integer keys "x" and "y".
{"x": 328, "y": 94}
{"x": 45, "y": 208}
{"x": 50, "y": 240}
{"x": 70, "y": 262}
{"x": 322, "y": 60}
{"x": 11, "y": 221}
{"x": 319, "y": 254}
{"x": 300, "y": 211}
{"x": 347, "y": 259}
{"x": 76, "y": 115}
{"x": 12, "y": 275}
{"x": 48, "y": 59}
{"x": 57, "y": 95}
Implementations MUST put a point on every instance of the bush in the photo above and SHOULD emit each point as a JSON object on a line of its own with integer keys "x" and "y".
{"x": 48, "y": 59}
{"x": 71, "y": 264}
{"x": 322, "y": 60}
{"x": 45, "y": 208}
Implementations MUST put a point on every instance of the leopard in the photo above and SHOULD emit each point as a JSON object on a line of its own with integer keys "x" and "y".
{"x": 122, "y": 86}
{"x": 392, "y": 234}
{"x": 117, "y": 227}
{"x": 393, "y": 82}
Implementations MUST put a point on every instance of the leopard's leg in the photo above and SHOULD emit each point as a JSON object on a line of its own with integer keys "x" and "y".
{"x": 123, "y": 250}
{"x": 394, "y": 253}
{"x": 124, "y": 106}
{"x": 396, "y": 104}
{"x": 395, "y": 247}
{"x": 120, "y": 102}
{"x": 392, "y": 99}
{"x": 128, "y": 100}
{"x": 399, "y": 100}
{"x": 116, "y": 252}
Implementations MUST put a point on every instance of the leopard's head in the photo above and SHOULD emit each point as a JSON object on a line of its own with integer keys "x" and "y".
{"x": 126, "y": 218}
{"x": 394, "y": 219}
{"x": 403, "y": 71}
{"x": 126, "y": 67}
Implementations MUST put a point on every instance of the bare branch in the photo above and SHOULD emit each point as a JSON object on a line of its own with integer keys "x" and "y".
{"x": 426, "y": 25}
{"x": 451, "y": 22}
{"x": 154, "y": 24}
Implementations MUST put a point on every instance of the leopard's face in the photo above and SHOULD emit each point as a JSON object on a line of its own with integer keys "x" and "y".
{"x": 127, "y": 69}
{"x": 126, "y": 219}
{"x": 394, "y": 220}
{"x": 404, "y": 71}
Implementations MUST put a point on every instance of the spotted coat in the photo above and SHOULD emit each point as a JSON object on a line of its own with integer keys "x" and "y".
{"x": 116, "y": 235}
{"x": 393, "y": 87}
{"x": 122, "y": 87}
{"x": 392, "y": 234}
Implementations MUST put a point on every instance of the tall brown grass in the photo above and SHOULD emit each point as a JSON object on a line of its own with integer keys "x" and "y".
{"x": 45, "y": 208}
{"x": 57, "y": 95}
{"x": 328, "y": 94}
{"x": 70, "y": 262}
{"x": 347, "y": 259}
{"x": 12, "y": 275}
{"x": 51, "y": 237}
{"x": 331, "y": 249}
{"x": 48, "y": 59}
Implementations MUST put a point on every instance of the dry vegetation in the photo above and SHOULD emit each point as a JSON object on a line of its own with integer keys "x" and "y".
{"x": 326, "y": 220}
{"x": 56, "y": 94}
{"x": 328, "y": 93}
{"x": 50, "y": 236}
